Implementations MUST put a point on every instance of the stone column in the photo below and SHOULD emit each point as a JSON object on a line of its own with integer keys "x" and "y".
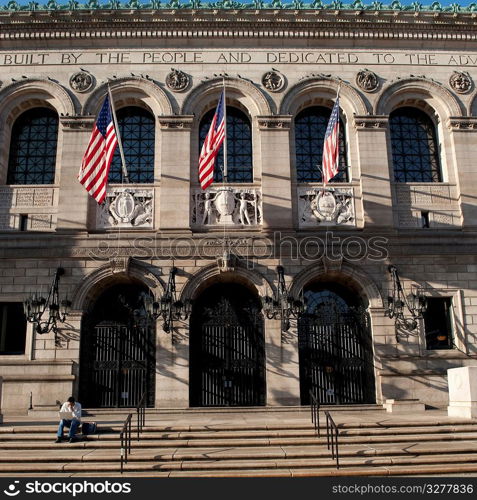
{"x": 73, "y": 198}
{"x": 172, "y": 362}
{"x": 462, "y": 392}
{"x": 375, "y": 171}
{"x": 174, "y": 147}
{"x": 276, "y": 173}
{"x": 464, "y": 139}
{"x": 283, "y": 373}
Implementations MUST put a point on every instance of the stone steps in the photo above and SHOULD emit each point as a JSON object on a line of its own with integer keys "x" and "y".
{"x": 192, "y": 466}
{"x": 382, "y": 444}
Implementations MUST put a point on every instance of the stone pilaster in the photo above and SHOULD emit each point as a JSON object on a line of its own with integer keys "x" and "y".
{"x": 375, "y": 173}
{"x": 174, "y": 204}
{"x": 464, "y": 139}
{"x": 276, "y": 181}
{"x": 73, "y": 198}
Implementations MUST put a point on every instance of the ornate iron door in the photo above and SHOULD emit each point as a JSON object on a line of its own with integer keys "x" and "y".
{"x": 227, "y": 355}
{"x": 122, "y": 365}
{"x": 336, "y": 357}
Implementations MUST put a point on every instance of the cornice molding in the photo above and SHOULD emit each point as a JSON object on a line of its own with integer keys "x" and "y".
{"x": 275, "y": 122}
{"x": 76, "y": 122}
{"x": 462, "y": 123}
{"x": 176, "y": 122}
{"x": 371, "y": 121}
{"x": 237, "y": 23}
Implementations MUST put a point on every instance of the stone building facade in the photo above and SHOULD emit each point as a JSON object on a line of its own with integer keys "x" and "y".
{"x": 276, "y": 63}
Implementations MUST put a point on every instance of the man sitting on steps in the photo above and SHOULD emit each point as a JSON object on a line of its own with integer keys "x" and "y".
{"x": 71, "y": 407}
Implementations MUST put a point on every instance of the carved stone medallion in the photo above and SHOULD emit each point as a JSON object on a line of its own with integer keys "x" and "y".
{"x": 331, "y": 206}
{"x": 177, "y": 80}
{"x": 227, "y": 206}
{"x": 126, "y": 207}
{"x": 461, "y": 82}
{"x": 367, "y": 80}
{"x": 273, "y": 81}
{"x": 81, "y": 82}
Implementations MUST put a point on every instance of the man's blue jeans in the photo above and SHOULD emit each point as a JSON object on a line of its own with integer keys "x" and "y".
{"x": 72, "y": 424}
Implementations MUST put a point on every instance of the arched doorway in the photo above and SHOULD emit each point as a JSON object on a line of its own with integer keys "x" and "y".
{"x": 227, "y": 354}
{"x": 335, "y": 347}
{"x": 117, "y": 350}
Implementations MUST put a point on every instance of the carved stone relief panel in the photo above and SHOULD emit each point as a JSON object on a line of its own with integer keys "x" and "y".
{"x": 231, "y": 206}
{"x": 128, "y": 207}
{"x": 439, "y": 200}
{"x": 33, "y": 208}
{"x": 326, "y": 207}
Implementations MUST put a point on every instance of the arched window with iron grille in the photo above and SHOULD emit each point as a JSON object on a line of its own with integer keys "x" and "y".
{"x": 239, "y": 146}
{"x": 137, "y": 129}
{"x": 415, "y": 152}
{"x": 310, "y": 129}
{"x": 33, "y": 144}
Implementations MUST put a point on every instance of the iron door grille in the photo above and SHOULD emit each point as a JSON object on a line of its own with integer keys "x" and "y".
{"x": 123, "y": 365}
{"x": 229, "y": 369}
{"x": 336, "y": 359}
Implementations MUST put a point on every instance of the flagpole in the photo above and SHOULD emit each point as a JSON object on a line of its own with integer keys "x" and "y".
{"x": 225, "y": 137}
{"x": 118, "y": 135}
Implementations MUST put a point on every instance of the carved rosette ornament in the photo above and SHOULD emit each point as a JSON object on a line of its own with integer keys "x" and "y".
{"x": 81, "y": 82}
{"x": 126, "y": 207}
{"x": 461, "y": 82}
{"x": 227, "y": 206}
{"x": 367, "y": 80}
{"x": 326, "y": 207}
{"x": 273, "y": 81}
{"x": 177, "y": 80}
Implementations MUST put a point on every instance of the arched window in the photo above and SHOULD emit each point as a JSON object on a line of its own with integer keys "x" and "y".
{"x": 310, "y": 129}
{"x": 137, "y": 129}
{"x": 414, "y": 146}
{"x": 32, "y": 158}
{"x": 239, "y": 146}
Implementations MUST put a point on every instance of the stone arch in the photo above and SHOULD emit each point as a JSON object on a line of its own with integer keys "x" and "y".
{"x": 34, "y": 92}
{"x": 420, "y": 92}
{"x": 241, "y": 91}
{"x": 116, "y": 271}
{"x": 473, "y": 105}
{"x": 131, "y": 91}
{"x": 353, "y": 277}
{"x": 321, "y": 90}
{"x": 211, "y": 274}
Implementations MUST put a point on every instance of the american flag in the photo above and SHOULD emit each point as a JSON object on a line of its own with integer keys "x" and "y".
{"x": 331, "y": 145}
{"x": 94, "y": 169}
{"x": 212, "y": 143}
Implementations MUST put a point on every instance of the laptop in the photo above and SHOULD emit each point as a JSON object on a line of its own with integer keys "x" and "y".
{"x": 66, "y": 415}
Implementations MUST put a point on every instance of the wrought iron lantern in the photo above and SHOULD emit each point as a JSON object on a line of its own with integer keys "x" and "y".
{"x": 168, "y": 307}
{"x": 282, "y": 305}
{"x": 398, "y": 303}
{"x": 35, "y": 307}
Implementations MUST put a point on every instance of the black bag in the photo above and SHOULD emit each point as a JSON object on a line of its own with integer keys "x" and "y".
{"x": 88, "y": 428}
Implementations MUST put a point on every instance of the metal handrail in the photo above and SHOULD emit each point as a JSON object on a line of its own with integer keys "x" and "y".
{"x": 125, "y": 438}
{"x": 332, "y": 434}
{"x": 141, "y": 414}
{"x": 315, "y": 412}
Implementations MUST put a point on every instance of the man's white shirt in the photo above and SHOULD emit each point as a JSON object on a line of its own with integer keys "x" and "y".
{"x": 75, "y": 411}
